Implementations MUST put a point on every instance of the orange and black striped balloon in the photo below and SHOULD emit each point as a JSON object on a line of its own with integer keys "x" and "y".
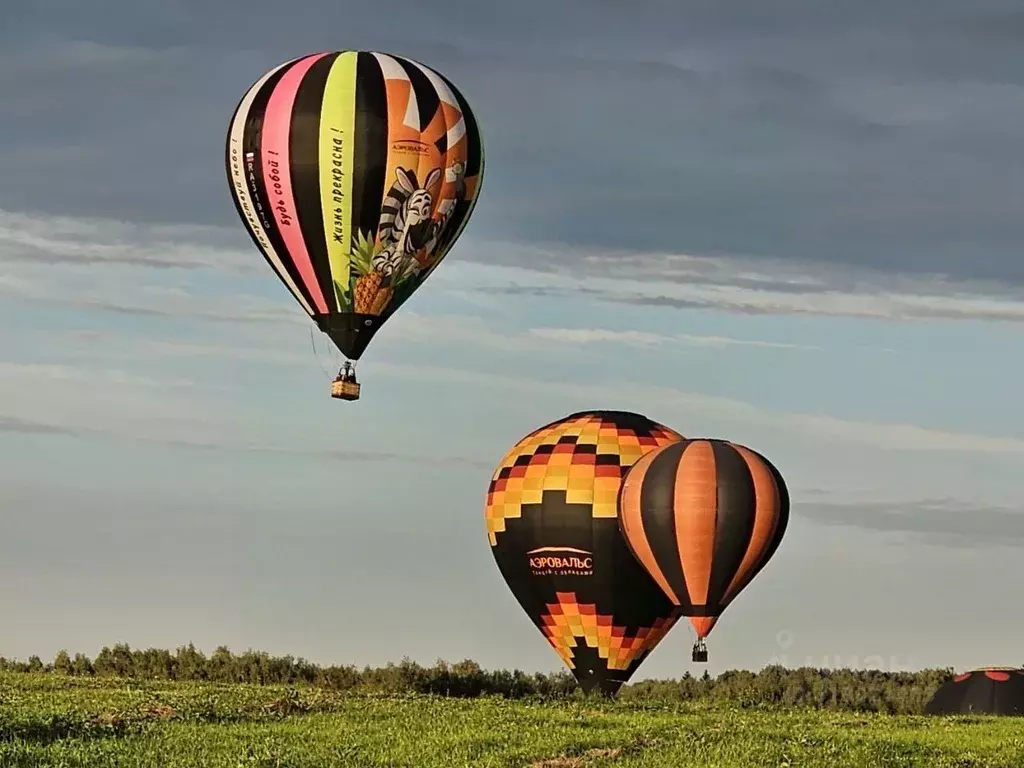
{"x": 703, "y": 517}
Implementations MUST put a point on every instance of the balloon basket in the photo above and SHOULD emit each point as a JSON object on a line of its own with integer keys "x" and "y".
{"x": 345, "y": 390}
{"x": 700, "y": 652}
{"x": 345, "y": 386}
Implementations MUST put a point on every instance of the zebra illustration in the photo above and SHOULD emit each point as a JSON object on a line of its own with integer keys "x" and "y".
{"x": 406, "y": 228}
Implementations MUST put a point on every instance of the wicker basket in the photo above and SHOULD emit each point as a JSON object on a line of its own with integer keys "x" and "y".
{"x": 700, "y": 652}
{"x": 345, "y": 390}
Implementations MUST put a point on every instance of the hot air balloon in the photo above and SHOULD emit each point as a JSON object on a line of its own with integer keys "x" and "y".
{"x": 703, "y": 517}
{"x": 551, "y": 509}
{"x": 985, "y": 691}
{"x": 354, "y": 173}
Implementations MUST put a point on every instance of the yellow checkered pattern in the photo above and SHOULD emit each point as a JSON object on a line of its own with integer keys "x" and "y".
{"x": 567, "y": 468}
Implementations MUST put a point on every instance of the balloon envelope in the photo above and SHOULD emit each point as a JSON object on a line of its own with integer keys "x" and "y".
{"x": 990, "y": 690}
{"x": 354, "y": 173}
{"x": 551, "y": 521}
{"x": 703, "y": 517}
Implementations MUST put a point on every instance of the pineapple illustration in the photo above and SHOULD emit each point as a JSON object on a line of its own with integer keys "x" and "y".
{"x": 370, "y": 296}
{"x": 381, "y": 300}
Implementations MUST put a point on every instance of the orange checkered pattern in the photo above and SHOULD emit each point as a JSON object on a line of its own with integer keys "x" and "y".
{"x": 568, "y": 620}
{"x": 585, "y": 456}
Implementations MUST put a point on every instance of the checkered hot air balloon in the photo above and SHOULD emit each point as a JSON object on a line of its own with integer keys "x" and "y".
{"x": 551, "y": 522}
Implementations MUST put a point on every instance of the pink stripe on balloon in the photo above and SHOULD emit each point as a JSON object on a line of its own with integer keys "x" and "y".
{"x": 277, "y": 122}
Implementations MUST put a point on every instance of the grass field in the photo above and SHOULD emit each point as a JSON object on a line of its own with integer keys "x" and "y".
{"x": 49, "y": 720}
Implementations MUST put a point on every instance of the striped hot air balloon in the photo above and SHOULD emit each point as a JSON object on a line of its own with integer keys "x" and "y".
{"x": 354, "y": 172}
{"x": 703, "y": 517}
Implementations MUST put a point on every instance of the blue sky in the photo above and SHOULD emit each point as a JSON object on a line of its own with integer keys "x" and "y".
{"x": 797, "y": 229}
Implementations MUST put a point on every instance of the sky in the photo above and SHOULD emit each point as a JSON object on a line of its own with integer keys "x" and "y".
{"x": 793, "y": 225}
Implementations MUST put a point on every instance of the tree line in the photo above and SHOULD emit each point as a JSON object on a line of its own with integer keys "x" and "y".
{"x": 838, "y": 689}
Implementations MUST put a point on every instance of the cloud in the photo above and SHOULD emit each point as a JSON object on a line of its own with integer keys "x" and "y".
{"x": 132, "y": 299}
{"x": 41, "y": 239}
{"x": 451, "y": 329}
{"x": 867, "y": 305}
{"x": 67, "y": 374}
{"x": 948, "y": 522}
{"x": 56, "y": 57}
{"x": 286, "y": 347}
{"x": 53, "y": 260}
{"x": 383, "y": 456}
{"x": 473, "y": 330}
{"x": 12, "y": 424}
{"x": 96, "y": 400}
{"x": 726, "y": 341}
{"x": 122, "y": 349}
{"x": 804, "y": 134}
{"x": 736, "y": 285}
{"x": 880, "y": 436}
{"x": 645, "y": 339}
{"x": 111, "y": 286}
{"x": 598, "y": 336}
{"x": 329, "y": 454}
{"x": 21, "y": 426}
{"x": 274, "y": 351}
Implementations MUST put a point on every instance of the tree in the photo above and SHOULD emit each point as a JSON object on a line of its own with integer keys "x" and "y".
{"x": 62, "y": 663}
{"x": 82, "y": 666}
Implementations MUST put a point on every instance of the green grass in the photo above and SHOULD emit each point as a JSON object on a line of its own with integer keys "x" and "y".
{"x": 50, "y": 721}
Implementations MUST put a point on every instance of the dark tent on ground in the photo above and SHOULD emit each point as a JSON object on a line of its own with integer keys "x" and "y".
{"x": 987, "y": 691}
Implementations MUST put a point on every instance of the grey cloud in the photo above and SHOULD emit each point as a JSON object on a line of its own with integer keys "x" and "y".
{"x": 722, "y": 285}
{"x": 931, "y": 312}
{"x": 744, "y": 285}
{"x": 146, "y": 301}
{"x": 15, "y": 425}
{"x": 240, "y": 313}
{"x": 944, "y": 521}
{"x": 43, "y": 256}
{"x": 665, "y": 301}
{"x": 57, "y": 240}
{"x": 436, "y": 461}
{"x": 870, "y": 136}
{"x": 335, "y": 454}
{"x": 996, "y": 26}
